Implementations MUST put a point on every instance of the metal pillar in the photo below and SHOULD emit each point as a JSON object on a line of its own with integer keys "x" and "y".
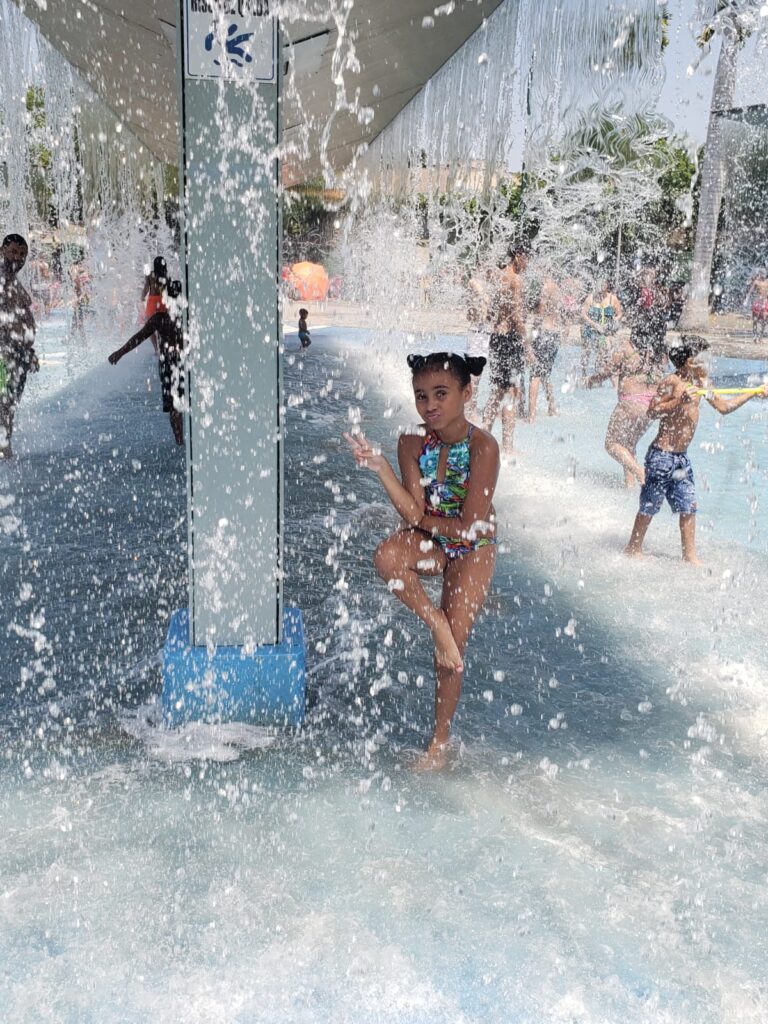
{"x": 229, "y": 53}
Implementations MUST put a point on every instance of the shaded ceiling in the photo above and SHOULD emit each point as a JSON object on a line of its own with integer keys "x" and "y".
{"x": 125, "y": 49}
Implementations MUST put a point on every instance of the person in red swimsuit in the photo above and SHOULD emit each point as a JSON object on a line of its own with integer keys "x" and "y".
{"x": 155, "y": 284}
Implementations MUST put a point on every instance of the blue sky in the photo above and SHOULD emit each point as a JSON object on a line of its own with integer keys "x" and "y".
{"x": 685, "y": 99}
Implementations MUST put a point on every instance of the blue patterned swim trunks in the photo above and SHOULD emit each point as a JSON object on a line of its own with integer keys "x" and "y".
{"x": 668, "y": 475}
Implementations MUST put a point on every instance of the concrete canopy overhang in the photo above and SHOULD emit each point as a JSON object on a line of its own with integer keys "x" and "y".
{"x": 125, "y": 50}
{"x": 755, "y": 116}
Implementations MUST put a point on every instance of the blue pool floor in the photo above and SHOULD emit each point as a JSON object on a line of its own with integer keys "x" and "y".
{"x": 596, "y": 851}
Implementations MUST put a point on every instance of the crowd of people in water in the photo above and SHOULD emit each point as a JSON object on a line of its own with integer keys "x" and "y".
{"x": 520, "y": 330}
{"x": 448, "y": 466}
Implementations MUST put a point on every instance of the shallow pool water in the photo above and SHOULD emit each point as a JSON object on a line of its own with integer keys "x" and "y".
{"x": 597, "y": 851}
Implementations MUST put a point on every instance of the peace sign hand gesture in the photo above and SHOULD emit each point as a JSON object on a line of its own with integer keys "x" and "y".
{"x": 366, "y": 455}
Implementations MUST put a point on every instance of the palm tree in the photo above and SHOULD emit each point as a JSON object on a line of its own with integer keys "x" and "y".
{"x": 734, "y": 21}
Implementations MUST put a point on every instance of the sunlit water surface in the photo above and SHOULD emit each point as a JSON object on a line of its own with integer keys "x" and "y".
{"x": 597, "y": 851}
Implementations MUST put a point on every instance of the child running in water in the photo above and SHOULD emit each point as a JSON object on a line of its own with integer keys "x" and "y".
{"x": 668, "y": 471}
{"x": 448, "y": 471}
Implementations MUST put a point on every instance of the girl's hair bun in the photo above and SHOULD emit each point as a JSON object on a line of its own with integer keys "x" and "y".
{"x": 475, "y": 364}
{"x": 461, "y": 366}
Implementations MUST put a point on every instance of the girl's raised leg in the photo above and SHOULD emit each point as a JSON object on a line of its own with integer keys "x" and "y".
{"x": 399, "y": 560}
{"x": 465, "y": 586}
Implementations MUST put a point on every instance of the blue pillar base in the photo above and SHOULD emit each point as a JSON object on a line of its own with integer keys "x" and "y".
{"x": 266, "y": 687}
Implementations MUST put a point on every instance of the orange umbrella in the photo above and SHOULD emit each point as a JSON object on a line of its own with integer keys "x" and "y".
{"x": 310, "y": 280}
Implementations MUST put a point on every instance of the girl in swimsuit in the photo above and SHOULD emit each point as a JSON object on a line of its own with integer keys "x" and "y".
{"x": 639, "y": 370}
{"x": 448, "y": 472}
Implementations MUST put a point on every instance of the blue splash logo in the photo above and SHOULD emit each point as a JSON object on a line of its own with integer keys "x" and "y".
{"x": 234, "y": 43}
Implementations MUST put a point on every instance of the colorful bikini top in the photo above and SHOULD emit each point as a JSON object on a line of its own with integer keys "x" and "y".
{"x": 601, "y": 313}
{"x": 445, "y": 497}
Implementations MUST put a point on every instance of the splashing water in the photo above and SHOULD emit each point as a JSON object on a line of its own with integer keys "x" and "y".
{"x": 597, "y": 850}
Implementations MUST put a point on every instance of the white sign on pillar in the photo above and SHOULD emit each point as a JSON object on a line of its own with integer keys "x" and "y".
{"x": 230, "y": 251}
{"x": 230, "y": 39}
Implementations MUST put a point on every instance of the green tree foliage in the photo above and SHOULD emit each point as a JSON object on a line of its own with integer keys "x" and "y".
{"x": 40, "y": 157}
{"x": 308, "y": 217}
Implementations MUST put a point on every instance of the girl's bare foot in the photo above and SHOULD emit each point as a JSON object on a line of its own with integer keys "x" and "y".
{"x": 692, "y": 560}
{"x": 434, "y": 758}
{"x": 633, "y": 552}
{"x": 447, "y": 654}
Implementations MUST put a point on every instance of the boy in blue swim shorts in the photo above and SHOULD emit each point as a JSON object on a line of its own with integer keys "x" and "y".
{"x": 668, "y": 474}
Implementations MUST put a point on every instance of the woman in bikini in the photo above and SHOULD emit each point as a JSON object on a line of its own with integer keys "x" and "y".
{"x": 448, "y": 471}
{"x": 600, "y": 317}
{"x": 639, "y": 368}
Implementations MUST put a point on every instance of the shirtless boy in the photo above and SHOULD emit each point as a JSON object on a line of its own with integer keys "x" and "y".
{"x": 479, "y": 294}
{"x": 668, "y": 471}
{"x": 549, "y": 324}
{"x": 509, "y": 347}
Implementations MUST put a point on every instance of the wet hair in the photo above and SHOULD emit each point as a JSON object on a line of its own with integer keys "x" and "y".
{"x": 690, "y": 345}
{"x": 463, "y": 368}
{"x": 160, "y": 268}
{"x": 174, "y": 289}
{"x": 14, "y": 239}
{"x": 303, "y": 312}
